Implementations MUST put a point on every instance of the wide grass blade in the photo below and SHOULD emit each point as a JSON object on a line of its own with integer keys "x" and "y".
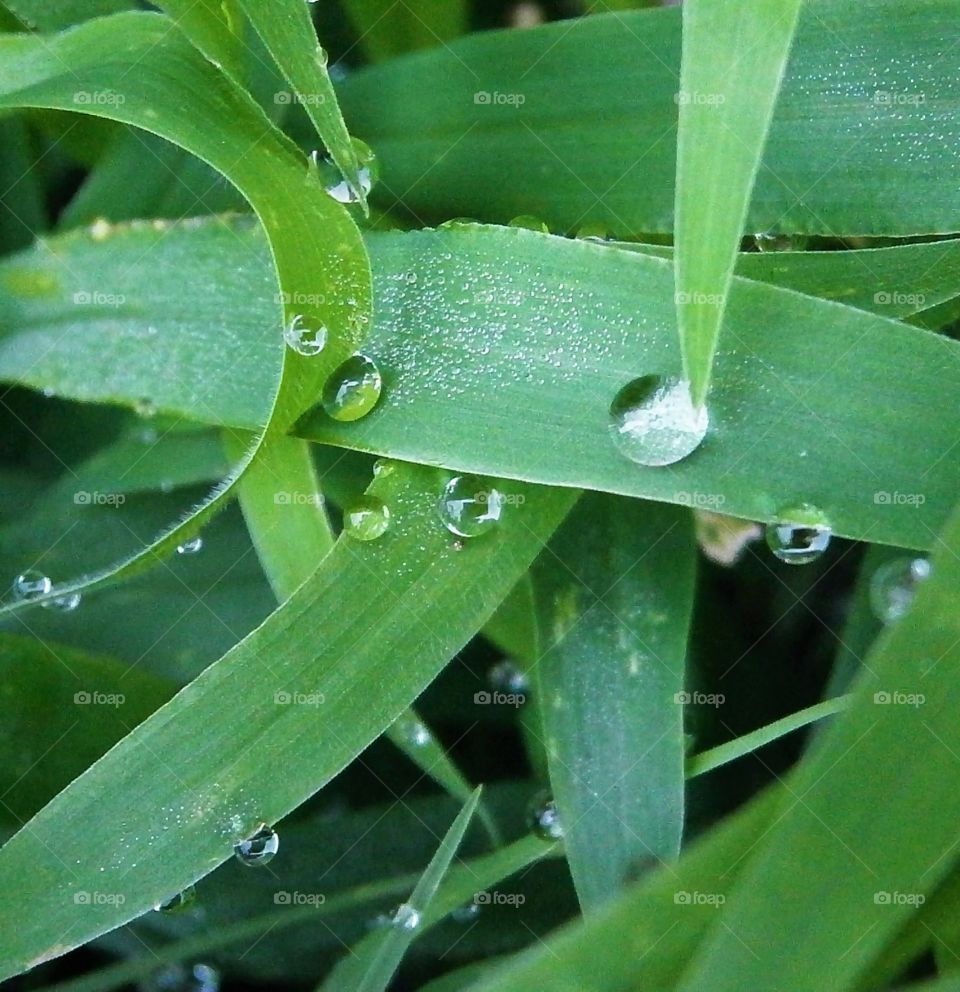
{"x": 53, "y": 15}
{"x": 386, "y": 29}
{"x": 733, "y": 60}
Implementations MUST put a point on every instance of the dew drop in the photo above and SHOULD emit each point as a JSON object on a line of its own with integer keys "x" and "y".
{"x": 336, "y": 184}
{"x": 304, "y": 340}
{"x": 799, "y": 535}
{"x": 545, "y": 820}
{"x": 593, "y": 232}
{"x": 654, "y": 422}
{"x": 366, "y": 518}
{"x": 469, "y": 507}
{"x": 353, "y": 389}
{"x": 259, "y": 849}
{"x": 320, "y": 56}
{"x": 64, "y": 604}
{"x": 779, "y": 242}
{"x": 382, "y": 467}
{"x": 530, "y": 223}
{"x": 31, "y": 584}
{"x": 458, "y": 222}
{"x": 178, "y": 903}
{"x": 405, "y": 917}
{"x": 183, "y": 978}
{"x": 466, "y": 913}
{"x": 191, "y": 547}
{"x": 508, "y": 676}
{"x": 893, "y": 587}
{"x": 145, "y": 408}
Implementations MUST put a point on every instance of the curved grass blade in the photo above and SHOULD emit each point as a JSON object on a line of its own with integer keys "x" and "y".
{"x": 615, "y": 596}
{"x": 54, "y": 15}
{"x": 371, "y": 967}
{"x": 574, "y": 123}
{"x": 794, "y": 409}
{"x": 388, "y": 29}
{"x": 733, "y": 60}
{"x": 156, "y": 812}
{"x": 216, "y": 29}
{"x": 316, "y": 247}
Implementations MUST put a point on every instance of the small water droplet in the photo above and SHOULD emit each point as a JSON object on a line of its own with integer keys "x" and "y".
{"x": 305, "y": 340}
{"x": 31, "y": 584}
{"x": 259, "y": 849}
{"x": 382, "y": 467}
{"x": 893, "y": 587}
{"x": 353, "y": 389}
{"x": 191, "y": 547}
{"x": 593, "y": 232}
{"x": 178, "y": 903}
{"x": 410, "y": 278}
{"x": 320, "y": 56}
{"x": 470, "y": 507}
{"x": 145, "y": 408}
{"x": 65, "y": 604}
{"x": 366, "y": 518}
{"x": 799, "y": 535}
{"x": 779, "y": 242}
{"x": 530, "y": 223}
{"x": 545, "y": 820}
{"x": 508, "y": 676}
{"x": 653, "y": 420}
{"x": 458, "y": 222}
{"x": 405, "y": 917}
{"x": 183, "y": 978}
{"x": 335, "y": 183}
{"x": 466, "y": 913}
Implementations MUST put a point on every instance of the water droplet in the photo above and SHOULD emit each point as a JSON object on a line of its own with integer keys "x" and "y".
{"x": 183, "y": 978}
{"x": 353, "y": 390}
{"x": 320, "y": 56}
{"x": 470, "y": 507}
{"x": 366, "y": 518}
{"x": 508, "y": 676}
{"x": 335, "y": 183}
{"x": 893, "y": 587}
{"x": 530, "y": 223}
{"x": 259, "y": 849}
{"x": 654, "y": 422}
{"x": 304, "y": 340}
{"x": 382, "y": 467}
{"x": 65, "y": 604}
{"x": 410, "y": 278}
{"x": 593, "y": 232}
{"x": 31, "y": 584}
{"x": 191, "y": 547}
{"x": 178, "y": 903}
{"x": 458, "y": 222}
{"x": 467, "y": 913}
{"x": 779, "y": 242}
{"x": 799, "y": 535}
{"x": 145, "y": 408}
{"x": 405, "y": 917}
{"x": 545, "y": 820}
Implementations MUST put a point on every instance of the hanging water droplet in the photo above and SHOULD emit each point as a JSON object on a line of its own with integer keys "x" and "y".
{"x": 405, "y": 917}
{"x": 545, "y": 820}
{"x": 366, "y": 518}
{"x": 779, "y": 242}
{"x": 305, "y": 340}
{"x": 799, "y": 535}
{"x": 382, "y": 467}
{"x": 653, "y": 420}
{"x": 145, "y": 408}
{"x": 458, "y": 222}
{"x": 191, "y": 547}
{"x": 353, "y": 389}
{"x": 379, "y": 922}
{"x": 65, "y": 604}
{"x": 178, "y": 903}
{"x": 593, "y": 232}
{"x": 530, "y": 223}
{"x": 470, "y": 507}
{"x": 259, "y": 849}
{"x": 893, "y": 587}
{"x": 466, "y": 913}
{"x": 183, "y": 978}
{"x": 31, "y": 584}
{"x": 320, "y": 56}
{"x": 336, "y": 184}
{"x": 419, "y": 734}
{"x": 508, "y": 676}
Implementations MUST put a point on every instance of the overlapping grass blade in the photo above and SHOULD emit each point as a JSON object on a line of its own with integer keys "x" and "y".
{"x": 386, "y": 29}
{"x": 54, "y": 15}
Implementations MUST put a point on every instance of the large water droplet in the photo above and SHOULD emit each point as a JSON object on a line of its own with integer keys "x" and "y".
{"x": 335, "y": 183}
{"x": 366, "y": 518}
{"x": 654, "y": 422}
{"x": 470, "y": 507}
{"x": 191, "y": 547}
{"x": 31, "y": 584}
{"x": 178, "y": 903}
{"x": 353, "y": 389}
{"x": 308, "y": 341}
{"x": 545, "y": 820}
{"x": 259, "y": 849}
{"x": 800, "y": 535}
{"x": 405, "y": 917}
{"x": 530, "y": 223}
{"x": 893, "y": 587}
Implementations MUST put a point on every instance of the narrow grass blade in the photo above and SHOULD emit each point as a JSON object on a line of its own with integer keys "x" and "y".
{"x": 386, "y": 29}
{"x": 734, "y": 56}
{"x": 53, "y": 15}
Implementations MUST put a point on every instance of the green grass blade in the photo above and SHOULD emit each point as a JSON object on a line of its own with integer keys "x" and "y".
{"x": 371, "y": 967}
{"x": 216, "y": 31}
{"x": 615, "y": 592}
{"x": 386, "y": 29}
{"x": 316, "y": 248}
{"x": 54, "y": 15}
{"x": 156, "y": 813}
